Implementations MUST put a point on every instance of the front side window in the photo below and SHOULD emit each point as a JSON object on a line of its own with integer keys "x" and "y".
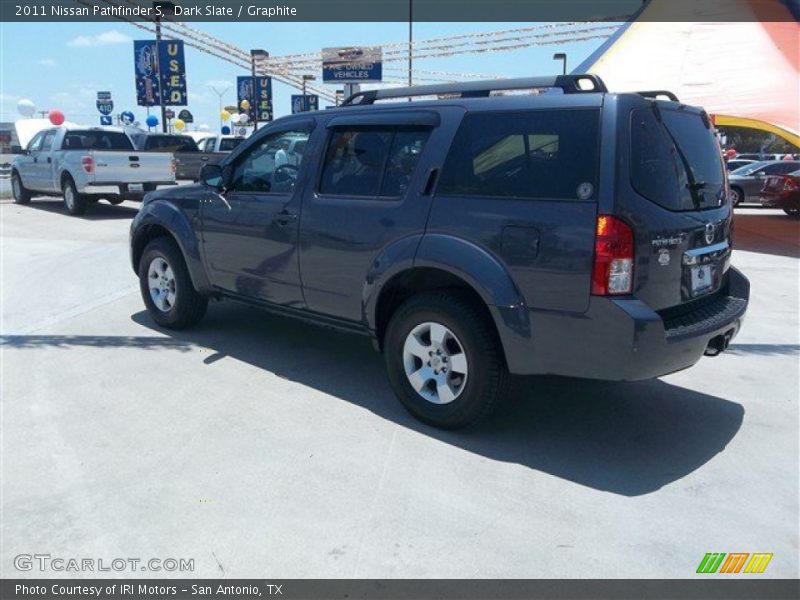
{"x": 271, "y": 166}
{"x": 208, "y": 145}
{"x": 36, "y": 142}
{"x": 47, "y": 140}
{"x": 548, "y": 154}
{"x": 371, "y": 161}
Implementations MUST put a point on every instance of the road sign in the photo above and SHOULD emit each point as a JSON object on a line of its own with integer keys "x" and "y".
{"x": 169, "y": 113}
{"x": 127, "y": 117}
{"x": 105, "y": 120}
{"x": 352, "y": 65}
{"x": 104, "y": 103}
{"x": 186, "y": 116}
{"x": 304, "y": 103}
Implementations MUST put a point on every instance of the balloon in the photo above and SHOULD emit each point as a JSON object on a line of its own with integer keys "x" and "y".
{"x": 204, "y": 127}
{"x": 179, "y": 124}
{"x": 226, "y": 130}
{"x": 244, "y": 104}
{"x": 26, "y": 108}
{"x": 243, "y": 118}
{"x": 225, "y": 115}
{"x": 56, "y": 117}
{"x": 152, "y": 121}
{"x": 127, "y": 117}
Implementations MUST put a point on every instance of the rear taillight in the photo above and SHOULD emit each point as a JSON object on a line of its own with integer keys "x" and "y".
{"x": 790, "y": 185}
{"x": 613, "y": 257}
{"x": 88, "y": 164}
{"x": 174, "y": 166}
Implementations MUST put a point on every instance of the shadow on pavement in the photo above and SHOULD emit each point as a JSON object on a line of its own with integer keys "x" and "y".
{"x": 624, "y": 438}
{"x": 95, "y": 212}
{"x": 768, "y": 232}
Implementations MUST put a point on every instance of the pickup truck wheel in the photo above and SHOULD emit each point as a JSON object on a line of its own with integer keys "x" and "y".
{"x": 74, "y": 202}
{"x": 444, "y": 360}
{"x": 115, "y": 201}
{"x": 21, "y": 195}
{"x": 166, "y": 287}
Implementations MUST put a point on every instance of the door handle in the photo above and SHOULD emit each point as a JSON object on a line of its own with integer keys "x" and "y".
{"x": 284, "y": 217}
{"x": 35, "y": 159}
{"x": 49, "y": 160}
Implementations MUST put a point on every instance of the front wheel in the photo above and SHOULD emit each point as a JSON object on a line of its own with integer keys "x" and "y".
{"x": 792, "y": 212}
{"x": 166, "y": 286}
{"x": 21, "y": 195}
{"x": 444, "y": 360}
{"x": 736, "y": 196}
{"x": 74, "y": 202}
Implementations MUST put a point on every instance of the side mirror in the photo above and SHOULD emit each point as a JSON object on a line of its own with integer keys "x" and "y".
{"x": 17, "y": 150}
{"x": 211, "y": 175}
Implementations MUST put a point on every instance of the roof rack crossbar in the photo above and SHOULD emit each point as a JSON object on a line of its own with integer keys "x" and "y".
{"x": 570, "y": 84}
{"x": 656, "y": 93}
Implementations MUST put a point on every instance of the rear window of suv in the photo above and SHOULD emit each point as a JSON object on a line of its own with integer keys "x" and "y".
{"x": 675, "y": 159}
{"x": 548, "y": 154}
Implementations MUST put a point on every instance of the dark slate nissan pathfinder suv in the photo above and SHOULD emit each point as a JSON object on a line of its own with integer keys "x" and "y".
{"x": 573, "y": 232}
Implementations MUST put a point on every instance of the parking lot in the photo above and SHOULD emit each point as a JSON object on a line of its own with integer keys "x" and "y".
{"x": 260, "y": 446}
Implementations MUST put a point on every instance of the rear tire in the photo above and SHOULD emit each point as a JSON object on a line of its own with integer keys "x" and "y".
{"x": 792, "y": 212}
{"x": 444, "y": 360}
{"x": 74, "y": 202}
{"x": 737, "y": 196}
{"x": 115, "y": 201}
{"x": 21, "y": 195}
{"x": 167, "y": 288}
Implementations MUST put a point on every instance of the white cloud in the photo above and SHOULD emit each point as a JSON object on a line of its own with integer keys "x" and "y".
{"x": 102, "y": 39}
{"x": 46, "y": 62}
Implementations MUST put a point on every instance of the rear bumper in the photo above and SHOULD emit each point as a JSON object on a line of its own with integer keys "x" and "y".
{"x": 780, "y": 201}
{"x": 624, "y": 339}
{"x": 123, "y": 189}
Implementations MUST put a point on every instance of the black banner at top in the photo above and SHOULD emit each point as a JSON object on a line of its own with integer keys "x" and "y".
{"x": 399, "y": 10}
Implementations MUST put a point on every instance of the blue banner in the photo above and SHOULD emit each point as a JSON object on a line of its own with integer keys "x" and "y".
{"x": 146, "y": 73}
{"x": 260, "y": 101}
{"x": 173, "y": 73}
{"x": 352, "y": 65}
{"x": 305, "y": 103}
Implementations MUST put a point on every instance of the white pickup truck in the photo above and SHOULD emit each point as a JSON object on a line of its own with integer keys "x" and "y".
{"x": 85, "y": 164}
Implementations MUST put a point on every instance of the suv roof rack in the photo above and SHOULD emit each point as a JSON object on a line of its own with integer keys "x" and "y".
{"x": 570, "y": 84}
{"x": 656, "y": 93}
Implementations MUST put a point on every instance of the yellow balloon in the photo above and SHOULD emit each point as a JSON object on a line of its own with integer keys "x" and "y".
{"x": 179, "y": 124}
{"x": 245, "y": 104}
{"x": 225, "y": 115}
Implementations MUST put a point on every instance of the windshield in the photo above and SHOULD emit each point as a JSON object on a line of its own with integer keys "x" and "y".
{"x": 97, "y": 140}
{"x": 747, "y": 169}
{"x": 675, "y": 159}
{"x": 171, "y": 143}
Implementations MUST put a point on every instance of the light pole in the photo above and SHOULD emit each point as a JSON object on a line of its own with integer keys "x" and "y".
{"x": 307, "y": 78}
{"x": 220, "y": 94}
{"x": 563, "y": 58}
{"x": 410, "y": 41}
{"x": 255, "y": 56}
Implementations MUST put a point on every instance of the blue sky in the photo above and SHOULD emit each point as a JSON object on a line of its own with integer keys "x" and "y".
{"x": 63, "y": 65}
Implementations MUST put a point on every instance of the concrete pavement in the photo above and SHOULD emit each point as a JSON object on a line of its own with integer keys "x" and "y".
{"x": 260, "y": 446}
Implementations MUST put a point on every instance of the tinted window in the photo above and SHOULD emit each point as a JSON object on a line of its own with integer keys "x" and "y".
{"x": 268, "y": 167}
{"x": 533, "y": 154}
{"x": 675, "y": 159}
{"x": 171, "y": 143}
{"x": 97, "y": 140}
{"x": 228, "y": 144}
{"x": 371, "y": 161}
{"x": 780, "y": 168}
{"x": 208, "y": 145}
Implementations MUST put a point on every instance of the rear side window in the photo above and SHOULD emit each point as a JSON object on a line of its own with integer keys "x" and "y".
{"x": 548, "y": 154}
{"x": 675, "y": 159}
{"x": 228, "y": 144}
{"x": 372, "y": 161}
{"x": 97, "y": 140}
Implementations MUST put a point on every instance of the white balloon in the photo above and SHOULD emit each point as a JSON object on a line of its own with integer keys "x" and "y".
{"x": 26, "y": 108}
{"x": 243, "y": 118}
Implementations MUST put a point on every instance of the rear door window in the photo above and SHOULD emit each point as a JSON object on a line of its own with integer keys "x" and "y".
{"x": 97, "y": 140}
{"x": 547, "y": 154}
{"x": 372, "y": 162}
{"x": 675, "y": 160}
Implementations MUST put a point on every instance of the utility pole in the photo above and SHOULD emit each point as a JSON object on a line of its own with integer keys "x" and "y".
{"x": 255, "y": 55}
{"x": 306, "y": 78}
{"x": 410, "y": 41}
{"x": 220, "y": 95}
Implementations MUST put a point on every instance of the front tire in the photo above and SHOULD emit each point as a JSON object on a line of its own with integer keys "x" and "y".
{"x": 21, "y": 194}
{"x": 74, "y": 202}
{"x": 444, "y": 360}
{"x": 167, "y": 288}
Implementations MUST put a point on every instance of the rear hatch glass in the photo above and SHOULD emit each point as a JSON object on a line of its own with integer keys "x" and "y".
{"x": 97, "y": 140}
{"x": 675, "y": 160}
